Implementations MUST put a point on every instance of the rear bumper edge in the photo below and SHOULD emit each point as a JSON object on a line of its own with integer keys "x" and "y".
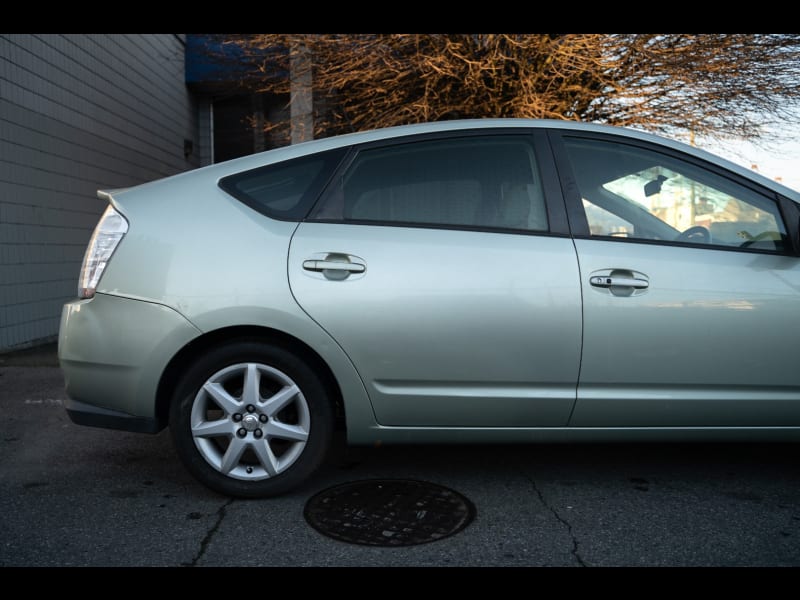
{"x": 94, "y": 416}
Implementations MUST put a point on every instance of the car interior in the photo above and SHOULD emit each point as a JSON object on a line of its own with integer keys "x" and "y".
{"x": 490, "y": 184}
{"x": 658, "y": 198}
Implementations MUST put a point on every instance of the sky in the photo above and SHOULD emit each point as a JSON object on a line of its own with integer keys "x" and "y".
{"x": 773, "y": 157}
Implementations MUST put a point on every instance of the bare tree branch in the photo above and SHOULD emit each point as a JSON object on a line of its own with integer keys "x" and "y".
{"x": 714, "y": 84}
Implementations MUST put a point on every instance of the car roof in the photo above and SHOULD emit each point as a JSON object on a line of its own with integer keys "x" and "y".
{"x": 252, "y": 161}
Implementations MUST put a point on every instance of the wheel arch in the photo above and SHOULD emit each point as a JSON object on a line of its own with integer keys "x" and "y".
{"x": 241, "y": 333}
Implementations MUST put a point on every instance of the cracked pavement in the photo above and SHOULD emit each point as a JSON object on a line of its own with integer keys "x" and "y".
{"x": 561, "y": 520}
{"x": 210, "y": 534}
{"x": 72, "y": 495}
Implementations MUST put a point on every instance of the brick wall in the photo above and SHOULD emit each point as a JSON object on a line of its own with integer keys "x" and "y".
{"x": 78, "y": 113}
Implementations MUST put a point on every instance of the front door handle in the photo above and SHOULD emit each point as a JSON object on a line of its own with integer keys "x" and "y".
{"x": 335, "y": 266}
{"x": 332, "y": 265}
{"x": 617, "y": 281}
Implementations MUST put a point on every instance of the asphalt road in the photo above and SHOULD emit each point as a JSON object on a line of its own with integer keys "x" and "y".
{"x": 72, "y": 495}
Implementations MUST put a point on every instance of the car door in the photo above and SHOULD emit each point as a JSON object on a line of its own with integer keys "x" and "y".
{"x": 440, "y": 269}
{"x": 691, "y": 291}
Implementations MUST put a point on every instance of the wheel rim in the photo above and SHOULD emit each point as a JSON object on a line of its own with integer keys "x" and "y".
{"x": 250, "y": 421}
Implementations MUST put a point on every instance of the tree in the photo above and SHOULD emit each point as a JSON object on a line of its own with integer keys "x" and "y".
{"x": 711, "y": 84}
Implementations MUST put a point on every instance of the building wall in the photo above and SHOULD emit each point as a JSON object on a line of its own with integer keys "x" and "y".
{"x": 205, "y": 131}
{"x": 78, "y": 113}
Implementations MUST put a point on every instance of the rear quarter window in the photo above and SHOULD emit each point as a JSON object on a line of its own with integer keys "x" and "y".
{"x": 285, "y": 190}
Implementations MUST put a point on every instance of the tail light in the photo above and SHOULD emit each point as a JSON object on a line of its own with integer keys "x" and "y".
{"x": 105, "y": 239}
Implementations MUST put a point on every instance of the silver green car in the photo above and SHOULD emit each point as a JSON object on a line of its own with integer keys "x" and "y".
{"x": 461, "y": 281}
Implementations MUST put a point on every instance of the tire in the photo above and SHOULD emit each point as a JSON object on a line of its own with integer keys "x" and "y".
{"x": 247, "y": 442}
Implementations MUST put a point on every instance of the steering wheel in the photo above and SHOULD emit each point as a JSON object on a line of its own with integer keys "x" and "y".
{"x": 697, "y": 234}
{"x": 773, "y": 236}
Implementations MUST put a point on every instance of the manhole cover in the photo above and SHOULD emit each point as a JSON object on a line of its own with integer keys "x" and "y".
{"x": 389, "y": 512}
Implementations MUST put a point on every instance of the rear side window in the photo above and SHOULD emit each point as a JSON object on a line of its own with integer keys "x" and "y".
{"x": 285, "y": 190}
{"x": 480, "y": 182}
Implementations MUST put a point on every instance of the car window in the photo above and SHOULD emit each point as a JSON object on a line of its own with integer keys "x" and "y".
{"x": 473, "y": 182}
{"x": 631, "y": 192}
{"x": 284, "y": 190}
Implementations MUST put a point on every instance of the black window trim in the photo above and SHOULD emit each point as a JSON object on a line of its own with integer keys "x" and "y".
{"x": 790, "y": 211}
{"x": 551, "y": 188}
{"x": 577, "y": 215}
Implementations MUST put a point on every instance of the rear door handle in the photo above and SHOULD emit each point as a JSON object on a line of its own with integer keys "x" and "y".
{"x": 332, "y": 265}
{"x": 617, "y": 281}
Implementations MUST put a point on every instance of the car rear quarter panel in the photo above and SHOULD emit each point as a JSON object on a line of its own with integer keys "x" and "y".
{"x": 220, "y": 264}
